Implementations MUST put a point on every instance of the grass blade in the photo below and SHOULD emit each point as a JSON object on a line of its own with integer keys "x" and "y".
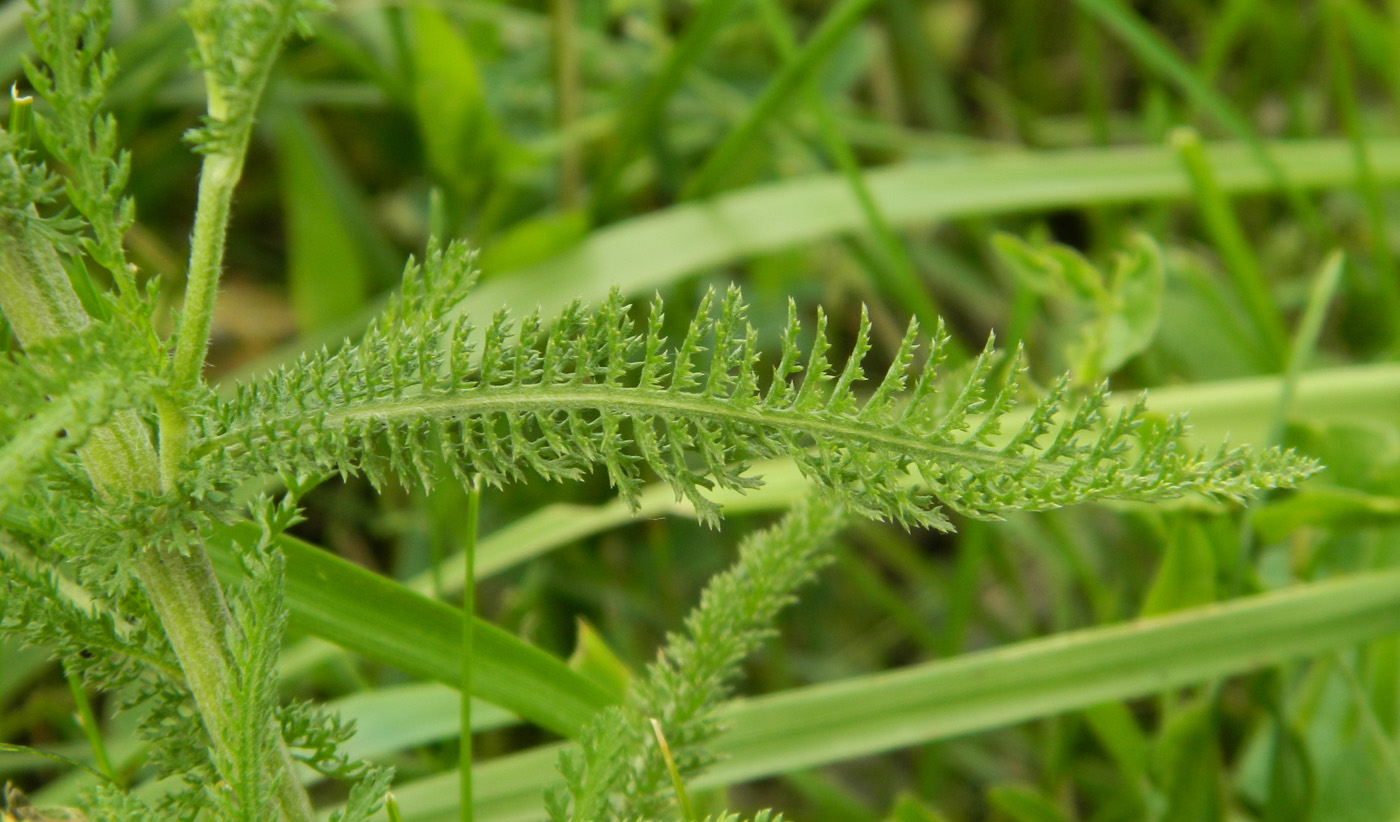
{"x": 649, "y": 252}
{"x": 1158, "y": 56}
{"x": 1240, "y": 262}
{"x": 795, "y": 71}
{"x": 645, "y": 253}
{"x": 384, "y": 621}
{"x": 895, "y": 270}
{"x": 643, "y": 112}
{"x": 327, "y": 272}
{"x": 981, "y": 691}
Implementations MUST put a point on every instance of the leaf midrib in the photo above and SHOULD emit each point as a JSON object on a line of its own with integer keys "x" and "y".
{"x": 635, "y": 401}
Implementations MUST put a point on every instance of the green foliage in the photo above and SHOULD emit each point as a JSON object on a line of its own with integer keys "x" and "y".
{"x": 114, "y": 643}
{"x": 111, "y": 804}
{"x": 104, "y": 570}
{"x": 1116, "y": 314}
{"x": 111, "y": 649}
{"x": 761, "y": 816}
{"x": 366, "y": 796}
{"x": 70, "y": 37}
{"x": 595, "y": 388}
{"x": 120, "y": 466}
{"x": 248, "y": 768}
{"x": 237, "y": 41}
{"x": 62, "y": 390}
{"x": 25, "y": 186}
{"x": 586, "y": 389}
{"x": 618, "y": 772}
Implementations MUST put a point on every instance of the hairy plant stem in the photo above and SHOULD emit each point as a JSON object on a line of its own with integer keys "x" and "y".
{"x": 217, "y": 180}
{"x": 466, "y": 810}
{"x": 195, "y": 615}
{"x": 39, "y": 302}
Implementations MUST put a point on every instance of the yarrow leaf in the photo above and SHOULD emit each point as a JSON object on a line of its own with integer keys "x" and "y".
{"x": 618, "y": 772}
{"x": 596, "y": 389}
{"x": 236, "y": 44}
{"x": 73, "y": 75}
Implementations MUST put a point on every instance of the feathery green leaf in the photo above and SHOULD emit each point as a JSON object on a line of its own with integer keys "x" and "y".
{"x": 75, "y": 71}
{"x": 594, "y": 388}
{"x": 236, "y": 43}
{"x": 618, "y": 773}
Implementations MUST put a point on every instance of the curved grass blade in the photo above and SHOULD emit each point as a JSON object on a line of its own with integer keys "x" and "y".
{"x": 981, "y": 691}
{"x": 646, "y": 253}
{"x": 384, "y": 621}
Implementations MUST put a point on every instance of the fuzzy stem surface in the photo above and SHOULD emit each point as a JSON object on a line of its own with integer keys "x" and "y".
{"x": 39, "y": 302}
{"x": 218, "y": 178}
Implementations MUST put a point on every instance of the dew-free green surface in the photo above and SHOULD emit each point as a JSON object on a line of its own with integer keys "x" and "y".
{"x": 649, "y": 252}
{"x": 843, "y": 720}
{"x": 381, "y": 620}
{"x": 1046, "y": 123}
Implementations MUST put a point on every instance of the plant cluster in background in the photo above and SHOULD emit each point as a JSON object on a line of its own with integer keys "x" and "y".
{"x": 197, "y": 395}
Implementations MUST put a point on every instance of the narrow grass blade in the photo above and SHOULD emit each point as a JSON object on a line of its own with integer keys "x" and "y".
{"x": 326, "y": 272}
{"x": 1043, "y": 677}
{"x": 1320, "y": 299}
{"x": 1158, "y": 56}
{"x": 1243, "y": 409}
{"x": 642, "y": 113}
{"x": 1344, "y": 92}
{"x": 927, "y": 81}
{"x": 459, "y": 131}
{"x": 835, "y": 26}
{"x": 563, "y": 39}
{"x": 1241, "y": 264}
{"x": 9, "y": 748}
{"x": 649, "y": 252}
{"x": 977, "y": 692}
{"x": 384, "y": 621}
{"x": 895, "y": 269}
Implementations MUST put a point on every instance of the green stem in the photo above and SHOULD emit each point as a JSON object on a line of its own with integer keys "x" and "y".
{"x": 637, "y": 403}
{"x": 217, "y": 180}
{"x": 1224, "y": 229}
{"x": 39, "y": 302}
{"x": 464, "y": 769}
{"x": 190, "y": 602}
{"x": 744, "y": 136}
{"x": 88, "y": 722}
{"x": 34, "y": 291}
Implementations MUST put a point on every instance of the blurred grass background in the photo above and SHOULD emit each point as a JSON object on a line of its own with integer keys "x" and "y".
{"x": 846, "y": 153}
